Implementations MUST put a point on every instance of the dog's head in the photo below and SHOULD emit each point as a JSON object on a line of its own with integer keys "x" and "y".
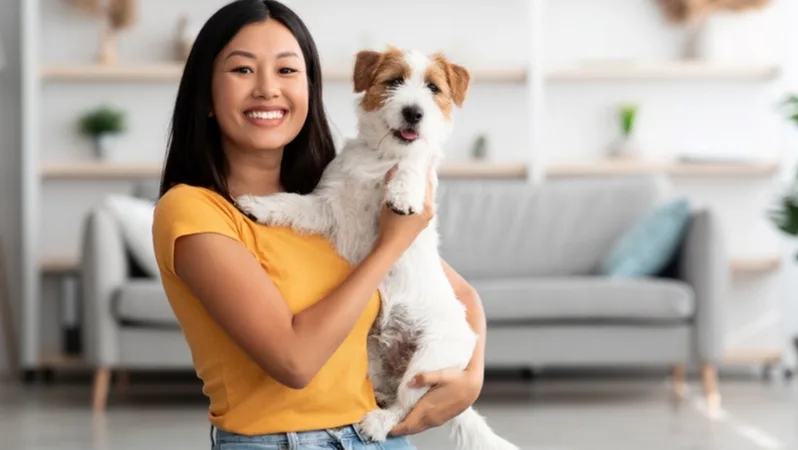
{"x": 407, "y": 96}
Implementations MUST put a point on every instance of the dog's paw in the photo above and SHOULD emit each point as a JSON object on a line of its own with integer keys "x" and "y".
{"x": 255, "y": 208}
{"x": 247, "y": 203}
{"x": 401, "y": 209}
{"x": 403, "y": 200}
{"x": 376, "y": 424}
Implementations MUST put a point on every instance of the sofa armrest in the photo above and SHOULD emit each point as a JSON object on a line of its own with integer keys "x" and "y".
{"x": 104, "y": 269}
{"x": 705, "y": 266}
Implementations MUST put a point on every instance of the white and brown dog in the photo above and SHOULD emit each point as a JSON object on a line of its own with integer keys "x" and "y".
{"x": 404, "y": 116}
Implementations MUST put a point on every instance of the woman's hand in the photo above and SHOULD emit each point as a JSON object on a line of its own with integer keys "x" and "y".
{"x": 452, "y": 392}
{"x": 399, "y": 231}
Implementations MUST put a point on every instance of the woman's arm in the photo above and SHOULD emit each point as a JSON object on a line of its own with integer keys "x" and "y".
{"x": 476, "y": 318}
{"x": 453, "y": 390}
{"x": 233, "y": 287}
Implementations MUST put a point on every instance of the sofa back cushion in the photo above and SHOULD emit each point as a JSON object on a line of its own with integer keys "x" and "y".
{"x": 563, "y": 227}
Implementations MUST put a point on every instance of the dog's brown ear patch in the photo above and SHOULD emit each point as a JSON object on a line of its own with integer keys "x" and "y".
{"x": 459, "y": 81}
{"x": 366, "y": 64}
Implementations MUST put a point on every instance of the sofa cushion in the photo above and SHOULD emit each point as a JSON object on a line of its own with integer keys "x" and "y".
{"x": 134, "y": 217}
{"x": 650, "y": 243}
{"x": 586, "y": 299}
{"x": 143, "y": 303}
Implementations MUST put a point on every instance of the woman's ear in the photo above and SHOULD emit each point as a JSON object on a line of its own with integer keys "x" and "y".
{"x": 365, "y": 64}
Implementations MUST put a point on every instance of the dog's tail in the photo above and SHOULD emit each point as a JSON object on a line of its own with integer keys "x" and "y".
{"x": 471, "y": 432}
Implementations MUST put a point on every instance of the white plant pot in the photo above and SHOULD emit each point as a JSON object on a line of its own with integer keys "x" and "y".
{"x": 105, "y": 146}
{"x": 625, "y": 147}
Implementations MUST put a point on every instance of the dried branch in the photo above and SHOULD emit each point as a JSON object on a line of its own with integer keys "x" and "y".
{"x": 688, "y": 11}
{"x": 122, "y": 13}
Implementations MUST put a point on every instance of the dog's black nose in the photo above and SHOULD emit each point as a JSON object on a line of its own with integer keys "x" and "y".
{"x": 412, "y": 114}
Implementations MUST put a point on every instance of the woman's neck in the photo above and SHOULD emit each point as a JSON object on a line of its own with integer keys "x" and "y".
{"x": 254, "y": 172}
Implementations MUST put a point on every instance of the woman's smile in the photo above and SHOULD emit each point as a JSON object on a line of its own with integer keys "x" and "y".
{"x": 266, "y": 116}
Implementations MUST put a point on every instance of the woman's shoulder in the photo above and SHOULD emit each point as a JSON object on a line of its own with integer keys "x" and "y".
{"x": 199, "y": 202}
{"x": 181, "y": 194}
{"x": 185, "y": 210}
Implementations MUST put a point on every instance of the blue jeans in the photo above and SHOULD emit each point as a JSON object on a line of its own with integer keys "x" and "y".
{"x": 343, "y": 438}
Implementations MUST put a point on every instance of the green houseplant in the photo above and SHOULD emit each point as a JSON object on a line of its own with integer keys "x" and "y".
{"x": 626, "y": 146}
{"x": 101, "y": 125}
{"x": 785, "y": 213}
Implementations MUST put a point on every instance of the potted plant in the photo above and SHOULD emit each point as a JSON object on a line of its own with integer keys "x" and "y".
{"x": 480, "y": 149}
{"x": 102, "y": 125}
{"x": 626, "y": 145}
{"x": 785, "y": 214}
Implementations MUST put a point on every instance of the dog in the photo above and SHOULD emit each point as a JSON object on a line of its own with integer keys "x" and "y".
{"x": 404, "y": 109}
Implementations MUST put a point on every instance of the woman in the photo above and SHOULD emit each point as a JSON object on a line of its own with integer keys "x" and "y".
{"x": 276, "y": 321}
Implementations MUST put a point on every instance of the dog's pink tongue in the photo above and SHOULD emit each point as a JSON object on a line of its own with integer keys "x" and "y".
{"x": 409, "y": 134}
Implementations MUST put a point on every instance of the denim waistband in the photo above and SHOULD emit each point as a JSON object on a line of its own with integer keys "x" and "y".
{"x": 290, "y": 439}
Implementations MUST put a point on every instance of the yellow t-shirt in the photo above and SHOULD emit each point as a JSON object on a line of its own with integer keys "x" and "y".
{"x": 243, "y": 398}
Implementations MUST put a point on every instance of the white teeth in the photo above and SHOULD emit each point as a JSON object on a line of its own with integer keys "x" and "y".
{"x": 265, "y": 114}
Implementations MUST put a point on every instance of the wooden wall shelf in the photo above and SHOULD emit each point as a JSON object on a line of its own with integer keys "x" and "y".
{"x": 745, "y": 356}
{"x": 482, "y": 170}
{"x": 674, "y": 71}
{"x": 509, "y": 170}
{"x": 753, "y": 266}
{"x": 58, "y": 266}
{"x": 670, "y": 168}
{"x": 677, "y": 70}
{"x": 97, "y": 170}
{"x": 169, "y": 72}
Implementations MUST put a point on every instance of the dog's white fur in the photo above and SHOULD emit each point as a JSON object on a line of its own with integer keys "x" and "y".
{"x": 418, "y": 302}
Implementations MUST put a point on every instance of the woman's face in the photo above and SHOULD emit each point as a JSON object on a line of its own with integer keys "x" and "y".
{"x": 260, "y": 89}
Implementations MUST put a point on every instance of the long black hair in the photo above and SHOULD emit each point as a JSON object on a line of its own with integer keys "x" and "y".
{"x": 194, "y": 154}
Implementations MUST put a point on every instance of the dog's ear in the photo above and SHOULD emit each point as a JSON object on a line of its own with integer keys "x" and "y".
{"x": 459, "y": 81}
{"x": 365, "y": 64}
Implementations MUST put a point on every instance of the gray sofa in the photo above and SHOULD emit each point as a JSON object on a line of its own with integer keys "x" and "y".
{"x": 532, "y": 254}
{"x": 127, "y": 320}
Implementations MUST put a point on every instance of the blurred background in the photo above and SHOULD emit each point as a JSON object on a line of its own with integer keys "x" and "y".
{"x": 618, "y": 187}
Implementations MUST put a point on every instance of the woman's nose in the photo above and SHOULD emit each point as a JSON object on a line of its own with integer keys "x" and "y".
{"x": 266, "y": 85}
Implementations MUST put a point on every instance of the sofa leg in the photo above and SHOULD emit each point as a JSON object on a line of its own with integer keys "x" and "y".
{"x": 679, "y": 382}
{"x": 102, "y": 383}
{"x": 709, "y": 378}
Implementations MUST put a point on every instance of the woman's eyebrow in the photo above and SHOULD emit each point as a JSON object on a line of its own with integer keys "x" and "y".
{"x": 287, "y": 55}
{"x": 241, "y": 53}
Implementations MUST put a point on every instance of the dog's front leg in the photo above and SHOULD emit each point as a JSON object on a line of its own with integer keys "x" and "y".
{"x": 303, "y": 213}
{"x": 406, "y": 190}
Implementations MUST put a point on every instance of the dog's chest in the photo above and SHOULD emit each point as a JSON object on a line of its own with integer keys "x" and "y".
{"x": 357, "y": 225}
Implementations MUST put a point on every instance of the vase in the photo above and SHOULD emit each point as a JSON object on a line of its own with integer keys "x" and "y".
{"x": 625, "y": 147}
{"x": 480, "y": 149}
{"x": 104, "y": 145}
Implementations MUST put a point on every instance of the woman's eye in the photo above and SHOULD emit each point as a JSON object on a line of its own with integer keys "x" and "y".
{"x": 287, "y": 70}
{"x": 242, "y": 69}
{"x": 433, "y": 87}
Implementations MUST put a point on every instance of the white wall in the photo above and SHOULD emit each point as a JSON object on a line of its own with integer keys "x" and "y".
{"x": 728, "y": 117}
{"x": 9, "y": 153}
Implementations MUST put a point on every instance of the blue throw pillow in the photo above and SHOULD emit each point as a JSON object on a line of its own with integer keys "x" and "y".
{"x": 650, "y": 244}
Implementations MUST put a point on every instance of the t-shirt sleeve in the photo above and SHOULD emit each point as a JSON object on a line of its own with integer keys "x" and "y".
{"x": 185, "y": 210}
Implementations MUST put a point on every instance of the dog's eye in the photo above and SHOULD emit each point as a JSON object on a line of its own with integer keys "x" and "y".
{"x": 433, "y": 87}
{"x": 393, "y": 82}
